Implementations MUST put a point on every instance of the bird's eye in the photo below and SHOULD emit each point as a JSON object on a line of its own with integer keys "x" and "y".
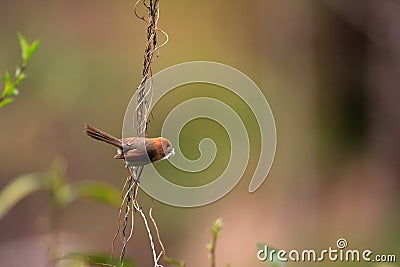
{"x": 167, "y": 145}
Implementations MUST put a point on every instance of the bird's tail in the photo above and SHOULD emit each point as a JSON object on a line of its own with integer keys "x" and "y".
{"x": 102, "y": 136}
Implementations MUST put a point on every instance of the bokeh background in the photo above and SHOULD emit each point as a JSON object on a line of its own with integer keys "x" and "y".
{"x": 329, "y": 69}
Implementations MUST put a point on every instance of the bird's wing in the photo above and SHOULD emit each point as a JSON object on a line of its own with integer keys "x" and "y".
{"x": 137, "y": 156}
{"x": 132, "y": 142}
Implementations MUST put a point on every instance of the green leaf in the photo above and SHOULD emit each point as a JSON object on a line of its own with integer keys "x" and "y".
{"x": 27, "y": 50}
{"x": 175, "y": 262}
{"x": 19, "y": 78}
{"x": 24, "y": 47}
{"x": 32, "y": 48}
{"x": 17, "y": 189}
{"x": 8, "y": 84}
{"x": 7, "y": 78}
{"x": 6, "y": 101}
{"x": 96, "y": 259}
{"x": 9, "y": 91}
{"x": 97, "y": 191}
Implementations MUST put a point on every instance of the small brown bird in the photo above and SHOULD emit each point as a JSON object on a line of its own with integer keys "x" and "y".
{"x": 137, "y": 151}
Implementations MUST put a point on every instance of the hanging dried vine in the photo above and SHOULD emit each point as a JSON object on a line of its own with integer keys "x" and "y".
{"x": 144, "y": 95}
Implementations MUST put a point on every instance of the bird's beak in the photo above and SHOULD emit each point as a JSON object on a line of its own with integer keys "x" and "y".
{"x": 170, "y": 154}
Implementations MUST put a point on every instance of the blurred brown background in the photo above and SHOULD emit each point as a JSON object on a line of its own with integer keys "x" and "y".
{"x": 329, "y": 69}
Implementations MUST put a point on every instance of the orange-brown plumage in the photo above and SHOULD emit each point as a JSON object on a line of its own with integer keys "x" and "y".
{"x": 136, "y": 151}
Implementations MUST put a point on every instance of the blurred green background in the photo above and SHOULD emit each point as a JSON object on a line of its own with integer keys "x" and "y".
{"x": 329, "y": 69}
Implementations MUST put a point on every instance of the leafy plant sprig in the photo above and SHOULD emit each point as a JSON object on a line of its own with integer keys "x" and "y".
{"x": 215, "y": 234}
{"x": 10, "y": 83}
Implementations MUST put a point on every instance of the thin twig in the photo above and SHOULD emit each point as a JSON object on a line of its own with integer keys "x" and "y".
{"x": 119, "y": 219}
{"x": 159, "y": 238}
{"x": 125, "y": 223}
{"x": 155, "y": 257}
